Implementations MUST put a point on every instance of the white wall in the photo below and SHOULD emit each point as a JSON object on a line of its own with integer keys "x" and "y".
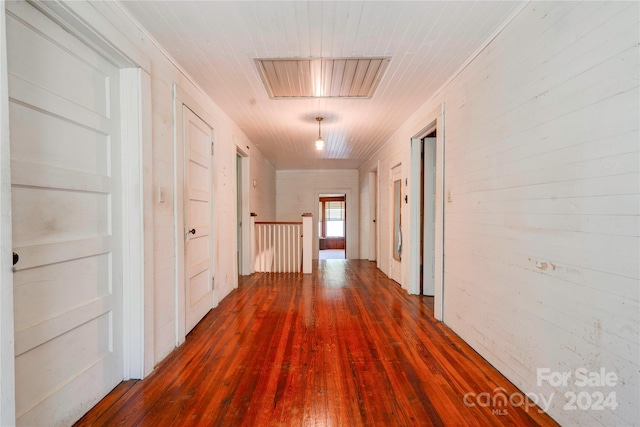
{"x": 227, "y": 135}
{"x": 297, "y": 192}
{"x": 541, "y": 233}
{"x": 394, "y": 153}
{"x": 262, "y": 197}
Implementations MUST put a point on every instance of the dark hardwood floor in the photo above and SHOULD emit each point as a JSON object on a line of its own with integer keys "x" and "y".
{"x": 344, "y": 346}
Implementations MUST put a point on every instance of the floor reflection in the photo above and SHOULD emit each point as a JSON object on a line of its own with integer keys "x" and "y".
{"x": 332, "y": 273}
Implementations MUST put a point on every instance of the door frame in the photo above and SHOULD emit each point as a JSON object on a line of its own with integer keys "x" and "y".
{"x": 393, "y": 274}
{"x": 435, "y": 122}
{"x": 349, "y": 217}
{"x": 136, "y": 157}
{"x": 245, "y": 243}
{"x": 373, "y": 215}
{"x": 138, "y": 269}
{"x": 182, "y": 100}
{"x": 323, "y": 219}
{"x": 377, "y": 214}
{"x": 7, "y": 354}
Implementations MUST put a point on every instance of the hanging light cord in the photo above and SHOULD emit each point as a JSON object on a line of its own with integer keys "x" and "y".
{"x": 319, "y": 141}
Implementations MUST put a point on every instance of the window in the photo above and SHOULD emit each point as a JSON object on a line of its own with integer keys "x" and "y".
{"x": 321, "y": 218}
{"x": 331, "y": 217}
{"x": 334, "y": 219}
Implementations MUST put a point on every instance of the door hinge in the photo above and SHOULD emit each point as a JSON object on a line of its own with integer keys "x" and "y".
{"x": 212, "y": 148}
{"x": 213, "y": 283}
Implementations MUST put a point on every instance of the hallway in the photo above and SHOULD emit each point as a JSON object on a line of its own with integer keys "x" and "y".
{"x": 343, "y": 346}
{"x": 331, "y": 254}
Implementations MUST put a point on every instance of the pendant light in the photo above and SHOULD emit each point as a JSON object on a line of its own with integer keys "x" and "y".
{"x": 319, "y": 141}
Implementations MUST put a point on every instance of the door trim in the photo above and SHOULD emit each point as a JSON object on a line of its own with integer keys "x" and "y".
{"x": 414, "y": 217}
{"x": 116, "y": 48}
{"x": 377, "y": 214}
{"x": 436, "y": 122}
{"x": 7, "y": 354}
{"x": 138, "y": 241}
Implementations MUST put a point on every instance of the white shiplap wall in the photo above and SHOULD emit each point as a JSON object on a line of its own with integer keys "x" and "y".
{"x": 394, "y": 153}
{"x": 297, "y": 192}
{"x": 542, "y": 230}
{"x": 227, "y": 136}
{"x": 262, "y": 197}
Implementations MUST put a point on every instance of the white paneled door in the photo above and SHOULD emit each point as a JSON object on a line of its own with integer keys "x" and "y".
{"x": 66, "y": 209}
{"x": 198, "y": 218}
{"x": 429, "y": 218}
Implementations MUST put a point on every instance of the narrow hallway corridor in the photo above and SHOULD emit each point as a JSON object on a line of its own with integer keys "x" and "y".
{"x": 343, "y": 346}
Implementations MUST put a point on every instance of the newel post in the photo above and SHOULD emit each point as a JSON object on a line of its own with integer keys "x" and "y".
{"x": 252, "y": 242}
{"x": 307, "y": 242}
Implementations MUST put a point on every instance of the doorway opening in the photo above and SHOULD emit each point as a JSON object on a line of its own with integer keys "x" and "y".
{"x": 426, "y": 200}
{"x": 396, "y": 224}
{"x": 243, "y": 231}
{"x": 239, "y": 211}
{"x": 373, "y": 214}
{"x": 426, "y": 206}
{"x": 332, "y": 236}
{"x": 427, "y": 213}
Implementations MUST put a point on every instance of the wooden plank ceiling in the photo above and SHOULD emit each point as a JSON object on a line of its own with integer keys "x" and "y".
{"x": 218, "y": 42}
{"x": 325, "y": 77}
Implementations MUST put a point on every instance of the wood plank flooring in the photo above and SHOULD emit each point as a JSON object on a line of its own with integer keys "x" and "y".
{"x": 344, "y": 346}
